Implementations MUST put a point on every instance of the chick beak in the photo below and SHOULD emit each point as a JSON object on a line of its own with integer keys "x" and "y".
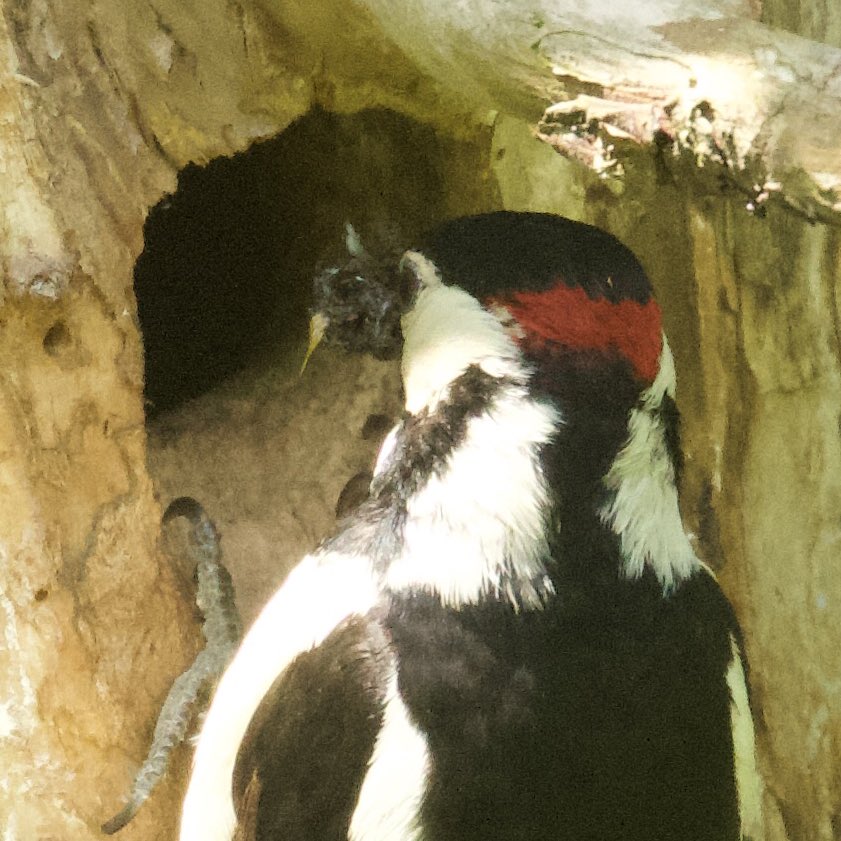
{"x": 318, "y": 326}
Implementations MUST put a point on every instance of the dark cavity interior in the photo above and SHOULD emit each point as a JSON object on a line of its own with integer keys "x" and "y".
{"x": 225, "y": 276}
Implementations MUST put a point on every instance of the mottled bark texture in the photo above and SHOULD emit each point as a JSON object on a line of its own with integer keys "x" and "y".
{"x": 101, "y": 103}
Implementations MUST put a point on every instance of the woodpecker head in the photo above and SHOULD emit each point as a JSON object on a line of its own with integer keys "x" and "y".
{"x": 575, "y": 302}
{"x": 566, "y": 310}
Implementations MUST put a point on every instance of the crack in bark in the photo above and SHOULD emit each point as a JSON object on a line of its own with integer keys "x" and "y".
{"x": 833, "y": 293}
{"x": 652, "y": 56}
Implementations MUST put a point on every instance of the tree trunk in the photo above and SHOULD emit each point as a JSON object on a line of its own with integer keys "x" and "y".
{"x": 103, "y": 103}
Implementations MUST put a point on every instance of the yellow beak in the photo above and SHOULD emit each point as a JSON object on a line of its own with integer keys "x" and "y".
{"x": 318, "y": 326}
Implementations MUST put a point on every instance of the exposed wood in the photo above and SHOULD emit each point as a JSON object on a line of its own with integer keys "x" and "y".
{"x": 761, "y": 105}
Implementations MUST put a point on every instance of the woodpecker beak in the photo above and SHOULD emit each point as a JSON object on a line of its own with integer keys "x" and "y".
{"x": 318, "y": 326}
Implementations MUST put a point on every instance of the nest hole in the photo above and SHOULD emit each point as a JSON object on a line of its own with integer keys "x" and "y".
{"x": 224, "y": 279}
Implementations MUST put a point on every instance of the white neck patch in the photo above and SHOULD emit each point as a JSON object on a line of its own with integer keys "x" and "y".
{"x": 481, "y": 527}
{"x": 643, "y": 509}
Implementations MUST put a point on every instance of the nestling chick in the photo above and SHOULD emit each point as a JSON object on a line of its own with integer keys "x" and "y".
{"x": 357, "y": 306}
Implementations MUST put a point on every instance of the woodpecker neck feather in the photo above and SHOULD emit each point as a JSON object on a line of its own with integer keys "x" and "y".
{"x": 480, "y": 527}
{"x": 463, "y": 538}
{"x": 642, "y": 506}
{"x": 476, "y": 525}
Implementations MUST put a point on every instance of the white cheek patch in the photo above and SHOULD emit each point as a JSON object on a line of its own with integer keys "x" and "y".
{"x": 643, "y": 509}
{"x": 479, "y": 528}
{"x": 320, "y": 593}
{"x": 445, "y": 333}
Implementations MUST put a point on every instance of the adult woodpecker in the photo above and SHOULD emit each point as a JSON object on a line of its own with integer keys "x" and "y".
{"x": 512, "y": 638}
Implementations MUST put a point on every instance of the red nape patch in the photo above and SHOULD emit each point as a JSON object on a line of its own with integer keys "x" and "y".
{"x": 567, "y": 315}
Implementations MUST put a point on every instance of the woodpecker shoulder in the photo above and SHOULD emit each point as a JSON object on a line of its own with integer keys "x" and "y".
{"x": 312, "y": 736}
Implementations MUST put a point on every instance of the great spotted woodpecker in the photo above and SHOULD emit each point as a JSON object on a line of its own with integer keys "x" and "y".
{"x": 512, "y": 638}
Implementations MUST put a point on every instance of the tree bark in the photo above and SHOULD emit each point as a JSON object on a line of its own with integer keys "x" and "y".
{"x": 100, "y": 104}
{"x": 85, "y": 599}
